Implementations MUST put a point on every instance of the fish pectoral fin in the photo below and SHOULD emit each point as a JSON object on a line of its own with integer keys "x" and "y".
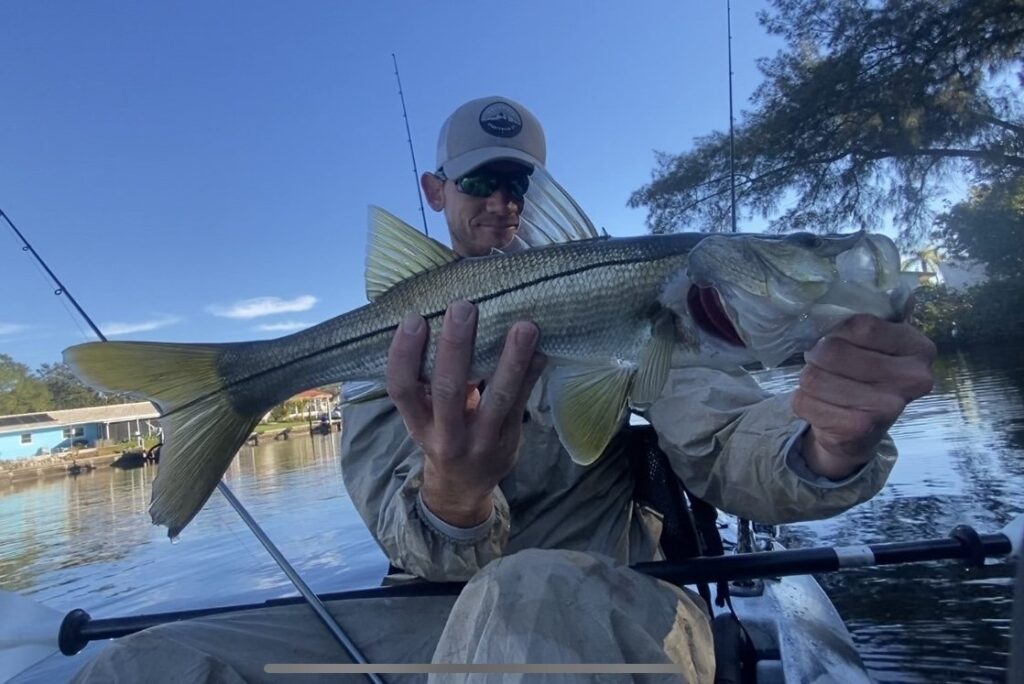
{"x": 655, "y": 361}
{"x": 396, "y": 251}
{"x": 588, "y": 406}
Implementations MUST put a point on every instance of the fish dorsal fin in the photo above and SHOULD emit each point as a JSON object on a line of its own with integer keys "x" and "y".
{"x": 550, "y": 215}
{"x": 396, "y": 251}
{"x": 588, "y": 406}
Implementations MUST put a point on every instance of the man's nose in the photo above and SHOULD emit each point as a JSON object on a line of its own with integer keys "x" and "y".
{"x": 502, "y": 200}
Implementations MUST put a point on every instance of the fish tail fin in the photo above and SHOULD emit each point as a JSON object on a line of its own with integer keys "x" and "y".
{"x": 203, "y": 428}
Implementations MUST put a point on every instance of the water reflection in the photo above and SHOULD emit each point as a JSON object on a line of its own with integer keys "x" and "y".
{"x": 87, "y": 541}
{"x": 961, "y": 461}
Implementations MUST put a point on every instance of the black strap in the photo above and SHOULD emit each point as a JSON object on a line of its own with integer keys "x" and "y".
{"x": 657, "y": 487}
{"x": 706, "y": 517}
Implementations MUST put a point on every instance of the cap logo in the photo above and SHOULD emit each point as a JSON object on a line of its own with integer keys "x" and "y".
{"x": 501, "y": 119}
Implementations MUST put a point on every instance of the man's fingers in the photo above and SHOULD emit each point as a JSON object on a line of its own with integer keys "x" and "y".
{"x": 451, "y": 371}
{"x": 833, "y": 419}
{"x": 533, "y": 373}
{"x": 405, "y": 358}
{"x": 872, "y": 399}
{"x": 894, "y": 339}
{"x": 909, "y": 375}
{"x": 506, "y": 385}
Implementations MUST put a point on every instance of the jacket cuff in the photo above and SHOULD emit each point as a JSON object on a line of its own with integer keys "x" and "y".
{"x": 461, "y": 535}
{"x": 797, "y": 464}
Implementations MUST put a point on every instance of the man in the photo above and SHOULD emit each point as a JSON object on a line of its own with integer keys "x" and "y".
{"x": 455, "y": 485}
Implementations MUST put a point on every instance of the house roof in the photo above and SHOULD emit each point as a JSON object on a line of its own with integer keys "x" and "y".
{"x": 28, "y": 422}
{"x": 314, "y": 394}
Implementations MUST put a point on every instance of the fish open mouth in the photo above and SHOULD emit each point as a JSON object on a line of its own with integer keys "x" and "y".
{"x": 708, "y": 312}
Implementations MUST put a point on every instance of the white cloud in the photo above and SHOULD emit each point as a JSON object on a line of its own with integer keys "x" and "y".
{"x": 283, "y": 326}
{"x": 12, "y": 328}
{"x": 111, "y": 329}
{"x": 263, "y": 306}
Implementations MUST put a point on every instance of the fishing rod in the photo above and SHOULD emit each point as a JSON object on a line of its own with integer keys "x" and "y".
{"x": 732, "y": 140}
{"x": 318, "y": 607}
{"x": 412, "y": 152}
{"x": 61, "y": 290}
{"x": 69, "y": 633}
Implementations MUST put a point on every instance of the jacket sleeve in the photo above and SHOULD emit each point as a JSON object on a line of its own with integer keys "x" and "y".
{"x": 737, "y": 447}
{"x": 383, "y": 469}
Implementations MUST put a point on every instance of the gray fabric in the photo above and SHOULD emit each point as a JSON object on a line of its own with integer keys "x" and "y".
{"x": 537, "y": 606}
{"x": 725, "y": 437}
{"x": 534, "y": 595}
{"x": 540, "y": 606}
{"x": 235, "y": 647}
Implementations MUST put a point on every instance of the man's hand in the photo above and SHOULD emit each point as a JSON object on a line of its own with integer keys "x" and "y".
{"x": 470, "y": 441}
{"x": 857, "y": 381}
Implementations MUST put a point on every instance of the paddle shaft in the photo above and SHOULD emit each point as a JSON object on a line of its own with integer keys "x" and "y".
{"x": 964, "y": 544}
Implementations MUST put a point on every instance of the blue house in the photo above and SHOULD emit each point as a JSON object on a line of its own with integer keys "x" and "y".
{"x": 35, "y": 434}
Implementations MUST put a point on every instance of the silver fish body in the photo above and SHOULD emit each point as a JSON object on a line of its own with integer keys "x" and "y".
{"x": 593, "y": 301}
{"x": 614, "y": 314}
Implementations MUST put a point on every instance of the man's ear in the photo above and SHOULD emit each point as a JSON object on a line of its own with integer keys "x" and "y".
{"x": 433, "y": 190}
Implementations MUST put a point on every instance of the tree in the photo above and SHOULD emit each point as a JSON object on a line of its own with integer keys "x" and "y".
{"x": 66, "y": 389}
{"x": 871, "y": 107}
{"x": 989, "y": 227}
{"x": 20, "y": 392}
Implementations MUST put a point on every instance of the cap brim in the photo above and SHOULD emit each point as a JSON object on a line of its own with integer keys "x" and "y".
{"x": 464, "y": 163}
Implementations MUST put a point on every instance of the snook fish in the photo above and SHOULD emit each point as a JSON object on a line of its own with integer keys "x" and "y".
{"x": 614, "y": 314}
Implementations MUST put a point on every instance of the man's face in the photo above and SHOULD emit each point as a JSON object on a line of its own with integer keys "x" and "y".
{"x": 479, "y": 224}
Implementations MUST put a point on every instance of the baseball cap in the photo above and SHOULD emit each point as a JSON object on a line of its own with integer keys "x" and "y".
{"x": 489, "y": 129}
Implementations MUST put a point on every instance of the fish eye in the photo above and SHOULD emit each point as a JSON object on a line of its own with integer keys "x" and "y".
{"x": 805, "y": 240}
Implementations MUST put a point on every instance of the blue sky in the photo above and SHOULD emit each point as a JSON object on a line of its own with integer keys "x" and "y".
{"x": 201, "y": 171}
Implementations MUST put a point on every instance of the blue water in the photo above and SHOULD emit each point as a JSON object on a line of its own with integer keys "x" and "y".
{"x": 86, "y": 542}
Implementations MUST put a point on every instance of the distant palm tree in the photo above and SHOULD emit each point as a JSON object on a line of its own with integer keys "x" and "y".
{"x": 925, "y": 263}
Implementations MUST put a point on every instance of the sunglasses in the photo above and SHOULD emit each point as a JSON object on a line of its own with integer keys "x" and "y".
{"x": 485, "y": 183}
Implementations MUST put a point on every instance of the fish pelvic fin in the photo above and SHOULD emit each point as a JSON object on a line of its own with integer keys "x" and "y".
{"x": 588, "y": 406}
{"x": 202, "y": 428}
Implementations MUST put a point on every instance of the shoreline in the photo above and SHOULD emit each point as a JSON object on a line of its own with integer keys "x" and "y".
{"x": 49, "y": 467}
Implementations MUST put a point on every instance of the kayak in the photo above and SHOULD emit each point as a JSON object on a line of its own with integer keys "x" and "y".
{"x": 785, "y": 628}
{"x": 796, "y": 633}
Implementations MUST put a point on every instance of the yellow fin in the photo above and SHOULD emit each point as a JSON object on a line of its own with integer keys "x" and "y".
{"x": 588, "y": 405}
{"x": 397, "y": 251}
{"x": 202, "y": 430}
{"x": 654, "y": 361}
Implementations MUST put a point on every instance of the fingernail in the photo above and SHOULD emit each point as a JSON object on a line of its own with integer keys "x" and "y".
{"x": 411, "y": 323}
{"x": 461, "y": 311}
{"x": 526, "y": 335}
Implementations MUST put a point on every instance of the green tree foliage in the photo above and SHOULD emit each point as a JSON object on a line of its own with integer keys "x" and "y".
{"x": 66, "y": 389}
{"x": 990, "y": 312}
{"x": 20, "y": 391}
{"x": 989, "y": 227}
{"x": 869, "y": 110}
